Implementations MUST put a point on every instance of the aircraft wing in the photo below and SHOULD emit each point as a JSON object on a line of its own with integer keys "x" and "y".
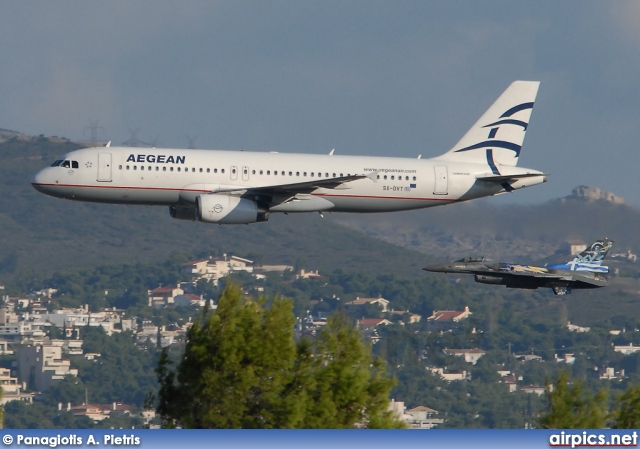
{"x": 298, "y": 187}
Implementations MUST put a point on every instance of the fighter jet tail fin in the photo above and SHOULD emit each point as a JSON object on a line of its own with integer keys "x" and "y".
{"x": 497, "y": 136}
{"x": 590, "y": 259}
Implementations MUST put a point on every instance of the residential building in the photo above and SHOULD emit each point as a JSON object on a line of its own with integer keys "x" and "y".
{"x": 470, "y": 355}
{"x": 422, "y": 417}
{"x": 12, "y": 389}
{"x": 163, "y": 296}
{"x": 380, "y": 301}
{"x": 40, "y": 366}
{"x": 628, "y": 349}
{"x": 447, "y": 319}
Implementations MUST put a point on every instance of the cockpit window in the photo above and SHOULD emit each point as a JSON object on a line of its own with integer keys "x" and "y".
{"x": 66, "y": 164}
{"x": 470, "y": 259}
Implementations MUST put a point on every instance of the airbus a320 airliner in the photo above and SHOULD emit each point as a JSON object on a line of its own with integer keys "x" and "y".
{"x": 239, "y": 187}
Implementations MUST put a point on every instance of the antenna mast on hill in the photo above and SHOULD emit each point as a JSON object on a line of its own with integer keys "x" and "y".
{"x": 134, "y": 141}
{"x": 94, "y": 127}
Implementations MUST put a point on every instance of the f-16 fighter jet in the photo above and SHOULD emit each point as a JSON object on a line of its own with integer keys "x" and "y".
{"x": 584, "y": 271}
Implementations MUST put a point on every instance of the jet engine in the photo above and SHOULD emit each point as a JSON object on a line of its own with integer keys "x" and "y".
{"x": 227, "y": 209}
{"x": 488, "y": 279}
{"x": 183, "y": 212}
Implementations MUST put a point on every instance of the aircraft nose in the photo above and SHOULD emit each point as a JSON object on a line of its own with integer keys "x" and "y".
{"x": 39, "y": 182}
{"x": 437, "y": 268}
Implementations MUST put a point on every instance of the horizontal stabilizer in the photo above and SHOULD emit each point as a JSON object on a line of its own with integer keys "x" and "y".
{"x": 503, "y": 178}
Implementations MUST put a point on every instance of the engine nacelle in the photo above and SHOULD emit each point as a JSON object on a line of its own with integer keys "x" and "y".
{"x": 226, "y": 209}
{"x": 488, "y": 279}
{"x": 183, "y": 212}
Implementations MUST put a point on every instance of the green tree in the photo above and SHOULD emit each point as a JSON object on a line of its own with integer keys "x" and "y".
{"x": 627, "y": 413}
{"x": 242, "y": 368}
{"x": 349, "y": 385}
{"x": 573, "y": 407}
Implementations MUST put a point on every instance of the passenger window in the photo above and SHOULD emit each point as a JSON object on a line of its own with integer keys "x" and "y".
{"x": 170, "y": 168}
{"x": 304, "y": 174}
{"x": 157, "y": 168}
{"x": 208, "y": 170}
{"x": 74, "y": 164}
{"x": 142, "y": 168}
{"x": 341, "y": 175}
{"x": 312, "y": 174}
{"x": 149, "y": 168}
{"x": 233, "y": 171}
{"x": 378, "y": 177}
{"x": 297, "y": 173}
{"x": 268, "y": 172}
{"x": 253, "y": 172}
{"x": 282, "y": 173}
{"x": 385, "y": 176}
{"x": 222, "y": 170}
{"x": 290, "y": 173}
{"x": 178, "y": 168}
{"x": 326, "y": 175}
{"x": 215, "y": 170}
{"x": 135, "y": 167}
{"x": 194, "y": 170}
{"x": 164, "y": 168}
{"x": 260, "y": 171}
{"x": 334, "y": 175}
{"x": 120, "y": 167}
{"x": 414, "y": 178}
{"x": 127, "y": 167}
{"x": 392, "y": 177}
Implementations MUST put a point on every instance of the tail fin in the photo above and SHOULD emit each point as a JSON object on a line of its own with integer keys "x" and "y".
{"x": 497, "y": 137}
{"x": 595, "y": 253}
{"x": 590, "y": 259}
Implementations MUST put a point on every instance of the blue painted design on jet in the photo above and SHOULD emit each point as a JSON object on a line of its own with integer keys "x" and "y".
{"x": 494, "y": 143}
{"x": 493, "y": 132}
{"x": 518, "y": 108}
{"x": 156, "y": 158}
{"x": 509, "y": 121}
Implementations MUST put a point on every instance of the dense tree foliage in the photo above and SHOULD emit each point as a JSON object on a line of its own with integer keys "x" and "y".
{"x": 242, "y": 368}
{"x": 574, "y": 407}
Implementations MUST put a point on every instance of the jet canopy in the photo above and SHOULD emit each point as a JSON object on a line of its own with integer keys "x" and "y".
{"x": 472, "y": 259}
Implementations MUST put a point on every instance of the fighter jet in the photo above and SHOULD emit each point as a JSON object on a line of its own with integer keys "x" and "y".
{"x": 584, "y": 271}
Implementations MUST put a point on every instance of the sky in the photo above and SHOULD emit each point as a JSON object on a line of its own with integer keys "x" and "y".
{"x": 384, "y": 78}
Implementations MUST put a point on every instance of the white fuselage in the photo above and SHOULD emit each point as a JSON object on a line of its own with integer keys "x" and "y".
{"x": 174, "y": 177}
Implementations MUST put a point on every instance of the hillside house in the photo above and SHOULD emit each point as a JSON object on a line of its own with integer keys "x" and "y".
{"x": 380, "y": 301}
{"x": 470, "y": 355}
{"x": 163, "y": 296}
{"x": 216, "y": 268}
{"x": 447, "y": 319}
{"x": 627, "y": 349}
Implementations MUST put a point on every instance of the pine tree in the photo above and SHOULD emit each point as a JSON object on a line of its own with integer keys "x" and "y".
{"x": 572, "y": 407}
{"x": 242, "y": 368}
{"x": 627, "y": 412}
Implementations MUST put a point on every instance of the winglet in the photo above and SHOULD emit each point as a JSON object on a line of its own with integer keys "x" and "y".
{"x": 331, "y": 152}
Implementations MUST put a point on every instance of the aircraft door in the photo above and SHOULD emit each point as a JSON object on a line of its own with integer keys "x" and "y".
{"x": 245, "y": 173}
{"x": 441, "y": 186}
{"x": 104, "y": 167}
{"x": 234, "y": 173}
